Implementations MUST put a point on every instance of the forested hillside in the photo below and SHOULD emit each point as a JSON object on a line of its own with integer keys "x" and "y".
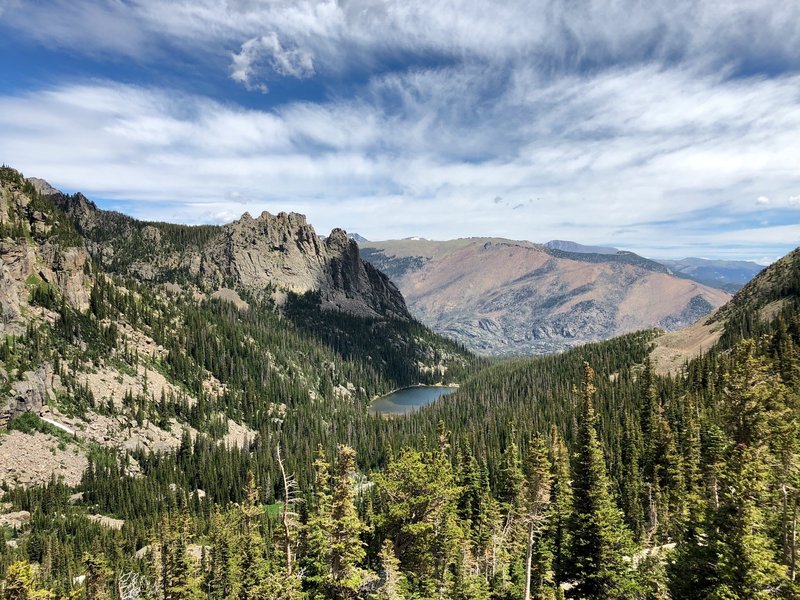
{"x": 581, "y": 475}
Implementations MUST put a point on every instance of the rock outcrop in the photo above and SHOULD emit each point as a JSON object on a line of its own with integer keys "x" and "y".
{"x": 36, "y": 258}
{"x": 29, "y": 394}
{"x": 270, "y": 253}
{"x": 284, "y": 252}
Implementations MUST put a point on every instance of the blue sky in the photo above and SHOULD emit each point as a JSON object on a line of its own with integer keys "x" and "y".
{"x": 671, "y": 129}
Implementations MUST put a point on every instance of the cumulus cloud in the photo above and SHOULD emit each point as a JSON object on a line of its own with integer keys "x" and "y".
{"x": 762, "y": 201}
{"x": 266, "y": 53}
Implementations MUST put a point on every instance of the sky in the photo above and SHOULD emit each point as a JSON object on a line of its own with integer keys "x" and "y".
{"x": 668, "y": 128}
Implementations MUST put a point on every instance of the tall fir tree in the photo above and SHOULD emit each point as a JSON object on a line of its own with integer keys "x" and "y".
{"x": 393, "y": 584}
{"x": 561, "y": 500}
{"x": 316, "y": 533}
{"x": 536, "y": 514}
{"x": 600, "y": 542}
{"x": 346, "y": 549}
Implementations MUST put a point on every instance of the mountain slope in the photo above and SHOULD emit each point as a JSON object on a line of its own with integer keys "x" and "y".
{"x": 123, "y": 337}
{"x": 568, "y": 246}
{"x": 758, "y": 301}
{"x": 504, "y": 297}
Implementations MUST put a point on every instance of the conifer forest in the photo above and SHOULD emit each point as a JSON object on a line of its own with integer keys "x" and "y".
{"x": 590, "y": 474}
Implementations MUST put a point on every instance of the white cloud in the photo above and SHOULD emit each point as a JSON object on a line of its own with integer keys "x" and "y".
{"x": 266, "y": 52}
{"x": 595, "y": 154}
{"x": 556, "y": 36}
{"x": 794, "y": 200}
{"x": 762, "y": 201}
{"x": 766, "y": 260}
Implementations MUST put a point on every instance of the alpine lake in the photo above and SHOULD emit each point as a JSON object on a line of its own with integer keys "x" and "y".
{"x": 406, "y": 400}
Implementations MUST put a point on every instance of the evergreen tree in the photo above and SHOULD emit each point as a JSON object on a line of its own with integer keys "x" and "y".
{"x": 224, "y": 571}
{"x": 752, "y": 394}
{"x": 536, "y": 514}
{"x": 97, "y": 576}
{"x": 631, "y": 492}
{"x": 392, "y": 586}
{"x": 346, "y": 550}
{"x": 420, "y": 497}
{"x": 20, "y": 584}
{"x": 561, "y": 500}
{"x": 254, "y": 566}
{"x": 746, "y": 566}
{"x": 600, "y": 541}
{"x": 316, "y": 533}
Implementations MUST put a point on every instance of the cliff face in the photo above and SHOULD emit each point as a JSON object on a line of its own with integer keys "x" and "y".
{"x": 273, "y": 254}
{"x": 33, "y": 254}
{"x": 40, "y": 258}
{"x": 284, "y": 252}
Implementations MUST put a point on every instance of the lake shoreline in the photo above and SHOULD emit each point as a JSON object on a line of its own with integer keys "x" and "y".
{"x": 386, "y": 406}
{"x": 411, "y": 387}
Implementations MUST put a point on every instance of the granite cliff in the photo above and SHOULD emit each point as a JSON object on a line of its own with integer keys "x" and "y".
{"x": 274, "y": 254}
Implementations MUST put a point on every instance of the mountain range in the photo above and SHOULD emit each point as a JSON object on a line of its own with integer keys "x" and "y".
{"x": 729, "y": 275}
{"x": 505, "y": 297}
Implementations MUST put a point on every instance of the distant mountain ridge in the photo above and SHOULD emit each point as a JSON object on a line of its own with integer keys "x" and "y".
{"x": 501, "y": 296}
{"x": 568, "y": 246}
{"x": 360, "y": 239}
{"x": 729, "y": 275}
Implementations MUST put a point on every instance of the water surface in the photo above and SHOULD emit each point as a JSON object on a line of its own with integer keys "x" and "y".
{"x": 409, "y": 399}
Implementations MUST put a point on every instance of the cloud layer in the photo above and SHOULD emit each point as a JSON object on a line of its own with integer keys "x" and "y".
{"x": 550, "y": 33}
{"x": 667, "y": 131}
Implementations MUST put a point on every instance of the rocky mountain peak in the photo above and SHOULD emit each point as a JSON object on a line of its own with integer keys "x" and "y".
{"x": 270, "y": 253}
{"x": 43, "y": 187}
{"x": 283, "y": 251}
{"x": 339, "y": 239}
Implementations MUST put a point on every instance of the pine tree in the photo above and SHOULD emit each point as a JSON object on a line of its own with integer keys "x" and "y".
{"x": 254, "y": 566}
{"x": 181, "y": 577}
{"x": 462, "y": 583}
{"x": 561, "y": 500}
{"x": 751, "y": 392}
{"x": 420, "y": 496}
{"x": 392, "y": 585}
{"x": 510, "y": 477}
{"x": 631, "y": 492}
{"x": 508, "y": 544}
{"x": 599, "y": 538}
{"x": 21, "y": 584}
{"x": 536, "y": 513}
{"x": 346, "y": 550}
{"x": 317, "y": 531}
{"x": 224, "y": 571}
{"x": 745, "y": 564}
{"x": 98, "y": 575}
